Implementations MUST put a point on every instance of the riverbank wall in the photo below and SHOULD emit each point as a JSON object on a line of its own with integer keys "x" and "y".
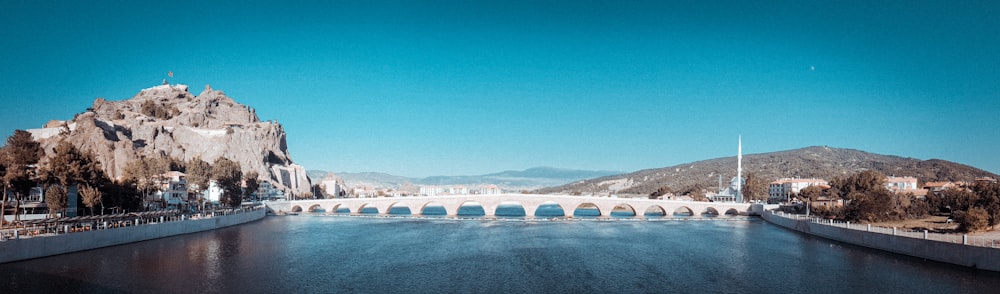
{"x": 43, "y": 246}
{"x": 980, "y": 257}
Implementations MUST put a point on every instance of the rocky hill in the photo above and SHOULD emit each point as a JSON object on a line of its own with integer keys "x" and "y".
{"x": 819, "y": 162}
{"x": 168, "y": 120}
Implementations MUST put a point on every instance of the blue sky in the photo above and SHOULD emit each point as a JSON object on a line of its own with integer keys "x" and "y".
{"x": 421, "y": 88}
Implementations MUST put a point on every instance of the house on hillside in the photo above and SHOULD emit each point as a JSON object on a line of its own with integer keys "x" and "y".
{"x": 783, "y": 189}
{"x": 901, "y": 185}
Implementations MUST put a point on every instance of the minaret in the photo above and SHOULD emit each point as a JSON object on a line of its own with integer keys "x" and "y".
{"x": 739, "y": 170}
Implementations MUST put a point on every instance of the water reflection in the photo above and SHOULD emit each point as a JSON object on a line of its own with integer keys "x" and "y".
{"x": 349, "y": 254}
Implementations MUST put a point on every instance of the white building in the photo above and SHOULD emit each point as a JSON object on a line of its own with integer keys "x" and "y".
{"x": 266, "y": 191}
{"x": 490, "y": 190}
{"x": 901, "y": 184}
{"x": 782, "y": 190}
{"x": 173, "y": 190}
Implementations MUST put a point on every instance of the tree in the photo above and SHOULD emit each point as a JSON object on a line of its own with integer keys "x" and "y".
{"x": 955, "y": 199}
{"x": 810, "y": 194}
{"x": 122, "y": 195}
{"x": 865, "y": 181}
{"x": 976, "y": 219}
{"x": 318, "y": 192}
{"x": 252, "y": 182}
{"x": 20, "y": 155}
{"x": 55, "y": 199}
{"x": 198, "y": 174}
{"x": 91, "y": 196}
{"x": 664, "y": 190}
{"x": 68, "y": 167}
{"x": 147, "y": 174}
{"x": 755, "y": 188}
{"x": 989, "y": 199}
{"x": 228, "y": 174}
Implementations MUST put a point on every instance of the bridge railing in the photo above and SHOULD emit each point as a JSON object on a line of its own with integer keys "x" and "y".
{"x": 965, "y": 239}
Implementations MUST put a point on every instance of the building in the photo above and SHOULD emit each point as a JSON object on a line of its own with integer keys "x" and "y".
{"x": 783, "y": 189}
{"x": 490, "y": 190}
{"x": 901, "y": 185}
{"x": 173, "y": 191}
{"x": 827, "y": 202}
{"x": 333, "y": 186}
{"x": 267, "y": 192}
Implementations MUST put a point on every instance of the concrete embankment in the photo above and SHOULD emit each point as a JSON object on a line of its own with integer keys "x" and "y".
{"x": 42, "y": 246}
{"x": 955, "y": 253}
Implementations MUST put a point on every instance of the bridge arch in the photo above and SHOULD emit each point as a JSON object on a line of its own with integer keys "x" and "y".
{"x": 397, "y": 208}
{"x": 655, "y": 209}
{"x": 587, "y": 209}
{"x": 296, "y": 208}
{"x": 710, "y": 211}
{"x": 548, "y": 209}
{"x": 337, "y": 207}
{"x": 683, "y": 211}
{"x": 623, "y": 210}
{"x": 511, "y": 209}
{"x": 732, "y": 212}
{"x": 472, "y": 208}
{"x": 314, "y": 207}
{"x": 448, "y": 210}
{"x": 367, "y": 209}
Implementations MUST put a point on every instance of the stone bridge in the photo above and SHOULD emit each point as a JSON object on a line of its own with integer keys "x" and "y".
{"x": 529, "y": 202}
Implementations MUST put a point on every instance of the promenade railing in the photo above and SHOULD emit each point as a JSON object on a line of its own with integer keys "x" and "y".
{"x": 69, "y": 225}
{"x": 965, "y": 239}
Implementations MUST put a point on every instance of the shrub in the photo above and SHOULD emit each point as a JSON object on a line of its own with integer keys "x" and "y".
{"x": 974, "y": 220}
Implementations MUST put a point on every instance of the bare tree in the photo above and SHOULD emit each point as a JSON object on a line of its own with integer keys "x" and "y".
{"x": 91, "y": 197}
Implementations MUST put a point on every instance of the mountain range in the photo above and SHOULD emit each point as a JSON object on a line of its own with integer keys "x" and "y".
{"x": 529, "y": 179}
{"x": 811, "y": 162}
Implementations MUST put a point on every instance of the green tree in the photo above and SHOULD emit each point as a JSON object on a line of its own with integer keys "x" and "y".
{"x": 810, "y": 194}
{"x": 252, "y": 182}
{"x": 55, "y": 199}
{"x": 228, "y": 174}
{"x": 20, "y": 155}
{"x": 755, "y": 188}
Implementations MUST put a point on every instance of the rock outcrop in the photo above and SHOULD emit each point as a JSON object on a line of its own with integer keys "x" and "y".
{"x": 168, "y": 120}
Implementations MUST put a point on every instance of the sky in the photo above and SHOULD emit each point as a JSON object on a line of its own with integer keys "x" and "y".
{"x": 421, "y": 88}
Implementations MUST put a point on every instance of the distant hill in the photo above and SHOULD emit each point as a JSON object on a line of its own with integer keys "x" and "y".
{"x": 528, "y": 179}
{"x": 819, "y": 162}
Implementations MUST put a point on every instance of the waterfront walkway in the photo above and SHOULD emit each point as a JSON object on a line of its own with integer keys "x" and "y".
{"x": 68, "y": 225}
{"x": 964, "y": 239}
{"x": 970, "y": 251}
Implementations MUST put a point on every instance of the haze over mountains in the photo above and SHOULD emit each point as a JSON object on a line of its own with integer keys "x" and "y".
{"x": 529, "y": 179}
{"x": 819, "y": 162}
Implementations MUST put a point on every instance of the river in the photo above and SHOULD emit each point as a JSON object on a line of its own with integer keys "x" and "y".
{"x": 338, "y": 254}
